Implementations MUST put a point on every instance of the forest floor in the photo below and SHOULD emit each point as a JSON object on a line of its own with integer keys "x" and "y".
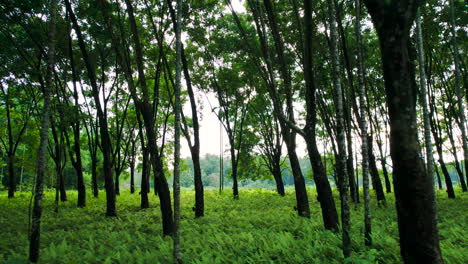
{"x": 261, "y": 227}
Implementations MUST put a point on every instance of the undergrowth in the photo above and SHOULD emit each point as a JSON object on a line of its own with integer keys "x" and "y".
{"x": 261, "y": 227}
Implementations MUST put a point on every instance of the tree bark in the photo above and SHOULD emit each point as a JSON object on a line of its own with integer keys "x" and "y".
{"x": 132, "y": 167}
{"x": 414, "y": 193}
{"x": 94, "y": 176}
{"x": 374, "y": 172}
{"x": 145, "y": 172}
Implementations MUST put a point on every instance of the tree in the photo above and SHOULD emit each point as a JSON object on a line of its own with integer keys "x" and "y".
{"x": 414, "y": 193}
{"x": 177, "y": 110}
{"x": 103, "y": 124}
{"x": 142, "y": 104}
{"x": 14, "y": 135}
{"x": 195, "y": 145}
{"x": 363, "y": 127}
{"x": 41, "y": 161}
{"x": 341, "y": 162}
{"x": 458, "y": 88}
{"x": 422, "y": 85}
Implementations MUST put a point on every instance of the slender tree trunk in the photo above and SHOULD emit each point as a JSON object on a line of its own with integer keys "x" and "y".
{"x": 117, "y": 182}
{"x": 458, "y": 89}
{"x": 44, "y": 135}
{"x": 439, "y": 180}
{"x": 350, "y": 163}
{"x": 144, "y": 179}
{"x": 278, "y": 178}
{"x": 195, "y": 149}
{"x": 94, "y": 176}
{"x": 132, "y": 167}
{"x": 375, "y": 177}
{"x": 11, "y": 176}
{"x": 436, "y": 129}
{"x": 324, "y": 191}
{"x": 199, "y": 197}
{"x": 363, "y": 127}
{"x": 341, "y": 161}
{"x": 235, "y": 187}
{"x": 422, "y": 86}
{"x": 414, "y": 192}
{"x": 77, "y": 163}
{"x": 383, "y": 163}
{"x": 177, "y": 110}
{"x": 63, "y": 191}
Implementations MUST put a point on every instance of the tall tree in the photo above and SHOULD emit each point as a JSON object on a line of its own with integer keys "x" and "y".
{"x": 103, "y": 125}
{"x": 422, "y": 86}
{"x": 414, "y": 192}
{"x": 44, "y": 135}
{"x": 363, "y": 127}
{"x": 289, "y": 136}
{"x": 341, "y": 162}
{"x": 458, "y": 88}
{"x": 177, "y": 110}
{"x": 142, "y": 104}
{"x": 195, "y": 145}
{"x": 11, "y": 145}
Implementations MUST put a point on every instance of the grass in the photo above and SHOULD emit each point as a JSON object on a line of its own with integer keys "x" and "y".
{"x": 261, "y": 227}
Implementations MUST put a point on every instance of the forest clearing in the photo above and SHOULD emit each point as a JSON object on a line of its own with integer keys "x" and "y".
{"x": 261, "y": 227}
{"x": 233, "y": 131}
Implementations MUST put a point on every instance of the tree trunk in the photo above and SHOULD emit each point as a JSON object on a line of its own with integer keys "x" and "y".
{"x": 278, "y": 179}
{"x": 375, "y": 177}
{"x": 414, "y": 193}
{"x": 439, "y": 181}
{"x": 177, "y": 110}
{"x": 11, "y": 176}
{"x": 145, "y": 172}
{"x": 383, "y": 163}
{"x": 117, "y": 182}
{"x": 458, "y": 89}
{"x": 195, "y": 149}
{"x": 235, "y": 188}
{"x": 132, "y": 168}
{"x": 77, "y": 163}
{"x": 63, "y": 192}
{"x": 363, "y": 128}
{"x": 341, "y": 140}
{"x": 422, "y": 86}
{"x": 94, "y": 176}
{"x": 44, "y": 135}
{"x": 199, "y": 197}
{"x": 435, "y": 127}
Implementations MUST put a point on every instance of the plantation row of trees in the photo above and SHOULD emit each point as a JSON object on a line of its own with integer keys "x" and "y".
{"x": 97, "y": 84}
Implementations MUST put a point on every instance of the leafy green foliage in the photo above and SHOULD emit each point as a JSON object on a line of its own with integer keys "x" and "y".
{"x": 261, "y": 227}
